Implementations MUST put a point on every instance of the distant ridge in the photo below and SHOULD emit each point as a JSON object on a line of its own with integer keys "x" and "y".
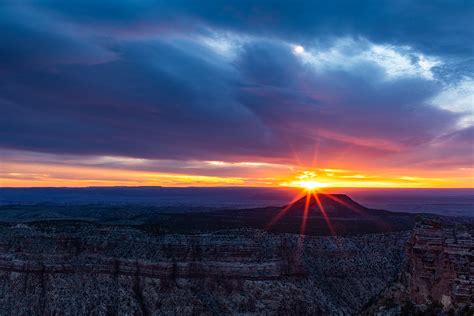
{"x": 335, "y": 205}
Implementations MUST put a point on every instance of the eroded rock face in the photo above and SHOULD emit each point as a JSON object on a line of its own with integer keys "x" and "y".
{"x": 441, "y": 264}
{"x": 439, "y": 272}
{"x": 77, "y": 268}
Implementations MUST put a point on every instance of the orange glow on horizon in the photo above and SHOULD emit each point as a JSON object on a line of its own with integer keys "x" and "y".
{"x": 13, "y": 174}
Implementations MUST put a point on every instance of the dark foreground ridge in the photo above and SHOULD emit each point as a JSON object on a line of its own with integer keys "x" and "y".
{"x": 346, "y": 217}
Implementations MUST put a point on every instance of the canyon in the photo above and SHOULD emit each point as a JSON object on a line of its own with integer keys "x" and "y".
{"x": 70, "y": 268}
{"x": 439, "y": 273}
{"x": 226, "y": 262}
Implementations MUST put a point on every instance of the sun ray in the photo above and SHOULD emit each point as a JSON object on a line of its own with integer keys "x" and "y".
{"x": 343, "y": 153}
{"x": 338, "y": 200}
{"x": 307, "y": 180}
{"x": 305, "y": 214}
{"x": 314, "y": 161}
{"x": 296, "y": 158}
{"x": 282, "y": 212}
{"x": 325, "y": 215}
{"x": 377, "y": 221}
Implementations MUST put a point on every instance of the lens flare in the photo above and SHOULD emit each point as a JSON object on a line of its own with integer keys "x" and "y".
{"x": 309, "y": 185}
{"x": 307, "y": 180}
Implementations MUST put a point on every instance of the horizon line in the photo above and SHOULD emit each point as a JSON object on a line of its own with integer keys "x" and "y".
{"x": 230, "y": 187}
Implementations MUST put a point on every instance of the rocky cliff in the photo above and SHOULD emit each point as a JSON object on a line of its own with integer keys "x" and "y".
{"x": 441, "y": 264}
{"x": 439, "y": 272}
{"x": 76, "y": 268}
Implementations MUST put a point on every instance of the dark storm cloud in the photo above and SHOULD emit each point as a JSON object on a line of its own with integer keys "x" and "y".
{"x": 192, "y": 80}
{"x": 31, "y": 40}
{"x": 176, "y": 106}
{"x": 338, "y": 108}
{"x": 436, "y": 26}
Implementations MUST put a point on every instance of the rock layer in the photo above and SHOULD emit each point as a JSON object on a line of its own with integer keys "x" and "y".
{"x": 441, "y": 264}
{"x": 439, "y": 273}
{"x": 78, "y": 268}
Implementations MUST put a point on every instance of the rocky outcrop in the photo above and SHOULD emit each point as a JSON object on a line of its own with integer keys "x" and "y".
{"x": 439, "y": 273}
{"x": 80, "y": 268}
{"x": 441, "y": 264}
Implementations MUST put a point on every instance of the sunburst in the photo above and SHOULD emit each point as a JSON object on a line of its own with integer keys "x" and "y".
{"x": 311, "y": 189}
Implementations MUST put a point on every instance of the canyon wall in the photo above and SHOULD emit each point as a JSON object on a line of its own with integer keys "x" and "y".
{"x": 438, "y": 276}
{"x": 441, "y": 264}
{"x": 79, "y": 268}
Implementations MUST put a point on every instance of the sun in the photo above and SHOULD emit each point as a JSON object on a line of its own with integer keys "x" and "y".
{"x": 307, "y": 180}
{"x": 309, "y": 185}
{"x": 311, "y": 190}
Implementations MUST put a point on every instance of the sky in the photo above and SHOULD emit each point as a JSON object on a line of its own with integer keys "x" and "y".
{"x": 237, "y": 93}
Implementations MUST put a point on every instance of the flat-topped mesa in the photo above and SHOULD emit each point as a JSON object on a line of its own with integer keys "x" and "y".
{"x": 333, "y": 204}
{"x": 322, "y": 214}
